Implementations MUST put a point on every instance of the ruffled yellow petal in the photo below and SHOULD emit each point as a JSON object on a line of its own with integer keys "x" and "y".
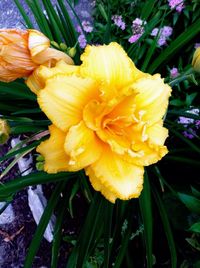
{"x": 53, "y": 151}
{"x": 157, "y": 134}
{"x": 109, "y": 65}
{"x": 37, "y": 79}
{"x": 100, "y": 187}
{"x": 64, "y": 98}
{"x": 82, "y": 146}
{"x": 123, "y": 179}
{"x": 152, "y": 98}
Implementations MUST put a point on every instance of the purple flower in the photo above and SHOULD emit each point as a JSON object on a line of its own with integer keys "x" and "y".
{"x": 87, "y": 27}
{"x": 174, "y": 72}
{"x": 190, "y": 134}
{"x": 154, "y": 32}
{"x": 177, "y": 4}
{"x": 139, "y": 22}
{"x": 79, "y": 30}
{"x": 137, "y": 29}
{"x": 167, "y": 31}
{"x": 82, "y": 41}
{"x": 119, "y": 22}
{"x": 197, "y": 45}
{"x": 134, "y": 38}
{"x": 163, "y": 34}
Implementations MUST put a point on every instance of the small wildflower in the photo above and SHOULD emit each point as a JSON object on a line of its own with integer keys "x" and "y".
{"x": 177, "y": 4}
{"x": 139, "y": 22}
{"x": 79, "y": 30}
{"x": 190, "y": 133}
{"x": 119, "y": 22}
{"x": 138, "y": 26}
{"x": 137, "y": 29}
{"x": 82, "y": 41}
{"x": 154, "y": 32}
{"x": 174, "y": 72}
{"x": 167, "y": 31}
{"x": 87, "y": 27}
{"x": 163, "y": 34}
{"x": 134, "y": 38}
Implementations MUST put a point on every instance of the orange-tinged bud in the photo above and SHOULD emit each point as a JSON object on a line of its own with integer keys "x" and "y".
{"x": 196, "y": 60}
{"x": 22, "y": 51}
{"x": 4, "y": 131}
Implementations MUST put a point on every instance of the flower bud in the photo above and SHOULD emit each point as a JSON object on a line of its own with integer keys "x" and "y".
{"x": 55, "y": 44}
{"x": 4, "y": 131}
{"x": 63, "y": 46}
{"x": 22, "y": 51}
{"x": 72, "y": 52}
{"x": 196, "y": 60}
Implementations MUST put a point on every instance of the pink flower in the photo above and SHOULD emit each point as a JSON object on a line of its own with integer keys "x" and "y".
{"x": 174, "y": 72}
{"x": 119, "y": 22}
{"x": 163, "y": 34}
{"x": 87, "y": 27}
{"x": 82, "y": 41}
{"x": 134, "y": 38}
{"x": 190, "y": 134}
{"x": 177, "y": 4}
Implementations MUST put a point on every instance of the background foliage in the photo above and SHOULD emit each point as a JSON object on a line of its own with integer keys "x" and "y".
{"x": 162, "y": 227}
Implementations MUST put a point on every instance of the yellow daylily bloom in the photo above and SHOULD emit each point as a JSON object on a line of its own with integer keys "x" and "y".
{"x": 196, "y": 60}
{"x": 109, "y": 116}
{"x": 22, "y": 51}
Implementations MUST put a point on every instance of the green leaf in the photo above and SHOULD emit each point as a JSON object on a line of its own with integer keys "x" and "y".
{"x": 190, "y": 98}
{"x": 146, "y": 212}
{"x": 195, "y": 227}
{"x": 195, "y": 192}
{"x": 192, "y": 203}
{"x": 88, "y": 236}
{"x": 123, "y": 249}
{"x": 167, "y": 227}
{"x": 24, "y": 15}
{"x": 35, "y": 243}
{"x": 107, "y": 232}
{"x": 42, "y": 21}
{"x": 58, "y": 230}
{"x": 175, "y": 46}
{"x": 20, "y": 183}
{"x": 147, "y": 9}
{"x": 183, "y": 160}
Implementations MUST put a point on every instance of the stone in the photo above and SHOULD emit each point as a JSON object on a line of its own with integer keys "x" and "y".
{"x": 8, "y": 215}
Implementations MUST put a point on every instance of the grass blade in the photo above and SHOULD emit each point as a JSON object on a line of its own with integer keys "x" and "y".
{"x": 20, "y": 183}
{"x": 23, "y": 13}
{"x": 175, "y": 46}
{"x": 35, "y": 243}
{"x": 146, "y": 212}
{"x": 58, "y": 231}
{"x": 167, "y": 228}
{"x": 107, "y": 232}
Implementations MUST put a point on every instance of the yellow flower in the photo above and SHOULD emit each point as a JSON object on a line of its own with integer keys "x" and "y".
{"x": 196, "y": 60}
{"x": 107, "y": 119}
{"x": 22, "y": 51}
